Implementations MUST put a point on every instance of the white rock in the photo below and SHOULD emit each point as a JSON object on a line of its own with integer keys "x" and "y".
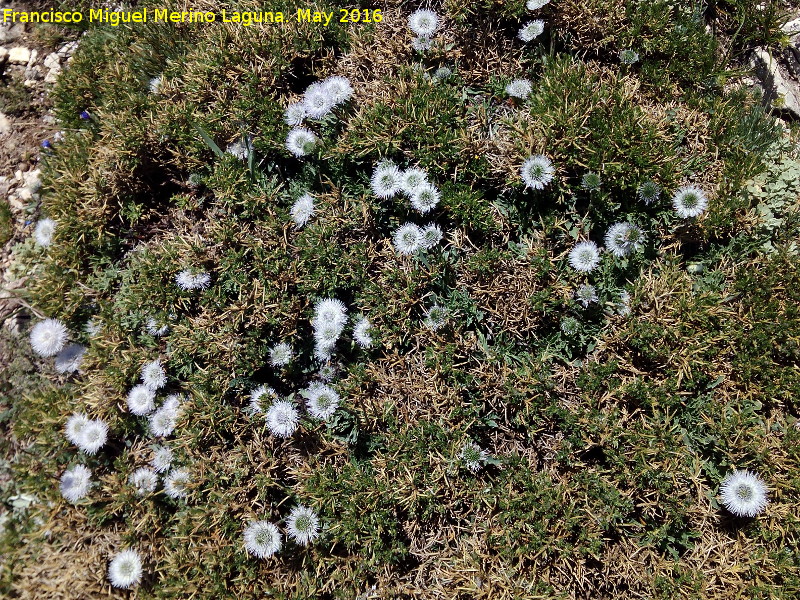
{"x": 779, "y": 89}
{"x": 19, "y": 55}
{"x": 3, "y": 54}
{"x": 52, "y": 75}
{"x": 5, "y": 124}
{"x": 52, "y": 61}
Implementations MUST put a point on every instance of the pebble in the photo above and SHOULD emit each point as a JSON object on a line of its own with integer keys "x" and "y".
{"x": 19, "y": 55}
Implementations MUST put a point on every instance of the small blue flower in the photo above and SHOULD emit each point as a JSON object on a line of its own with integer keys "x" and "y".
{"x": 85, "y": 115}
{"x": 46, "y": 144}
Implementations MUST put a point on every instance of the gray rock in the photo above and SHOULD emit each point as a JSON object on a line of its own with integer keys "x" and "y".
{"x": 781, "y": 90}
{"x": 5, "y": 124}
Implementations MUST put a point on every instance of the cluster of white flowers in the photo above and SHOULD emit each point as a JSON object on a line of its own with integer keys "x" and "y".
{"x": 153, "y": 375}
{"x": 144, "y": 480}
{"x": 176, "y": 482}
{"x": 319, "y": 99}
{"x": 330, "y": 317}
{"x": 362, "y": 332}
{"x": 436, "y": 317}
{"x": 155, "y": 327}
{"x": 409, "y": 238}
{"x": 519, "y": 88}
{"x": 424, "y": 23}
{"x": 259, "y": 395}
{"x": 262, "y": 539}
{"x": 87, "y": 434}
{"x": 193, "y": 280}
{"x": 162, "y": 459}
{"x": 141, "y": 400}
{"x": 163, "y": 420}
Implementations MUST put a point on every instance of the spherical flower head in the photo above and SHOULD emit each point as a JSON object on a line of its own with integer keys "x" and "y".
{"x": 329, "y": 311}
{"x": 628, "y": 57}
{"x": 76, "y": 483}
{"x": 125, "y": 569}
{"x": 624, "y": 238}
{"x": 93, "y": 327}
{"x": 155, "y": 84}
{"x": 327, "y": 372}
{"x": 743, "y": 493}
{"x": 338, "y": 88}
{"x": 302, "y": 525}
{"x": 425, "y": 198}
{"x": 386, "y": 180}
{"x": 321, "y": 400}
{"x": 282, "y": 418}
{"x": 259, "y": 396}
{"x": 295, "y": 113}
{"x": 422, "y": 43}
{"x": 155, "y": 327}
{"x": 162, "y": 459}
{"x": 176, "y": 482}
{"x": 584, "y": 257}
{"x": 537, "y": 171}
{"x": 144, "y": 480}
{"x": 586, "y": 294}
{"x": 317, "y": 100}
{"x": 239, "y": 149}
{"x": 153, "y": 375}
{"x": 43, "y": 233}
{"x": 431, "y": 236}
{"x": 689, "y": 201}
{"x": 411, "y": 179}
{"x": 326, "y": 335}
{"x": 302, "y": 210}
{"x": 280, "y": 355}
{"x": 262, "y": 539}
{"x": 436, "y": 317}
{"x": 74, "y": 427}
{"x": 189, "y": 280}
{"x": 407, "y": 239}
{"x": 519, "y": 88}
{"x": 362, "y": 332}
{"x": 473, "y": 457}
{"x": 48, "y": 337}
{"x": 323, "y": 352}
{"x": 649, "y": 192}
{"x": 301, "y": 141}
{"x": 531, "y": 30}
{"x": 141, "y": 400}
{"x": 163, "y": 421}
{"x": 591, "y": 181}
{"x": 423, "y": 22}
{"x": 536, "y": 4}
{"x": 93, "y": 436}
{"x": 570, "y": 326}
{"x": 70, "y": 358}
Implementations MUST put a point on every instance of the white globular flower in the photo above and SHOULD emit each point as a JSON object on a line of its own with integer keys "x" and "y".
{"x": 519, "y": 88}
{"x": 70, "y": 358}
{"x": 141, "y": 400}
{"x": 411, "y": 179}
{"x": 530, "y": 31}
{"x": 43, "y": 233}
{"x": 317, "y": 100}
{"x": 302, "y": 525}
{"x": 189, "y": 280}
{"x": 473, "y": 456}
{"x": 301, "y": 141}
{"x": 92, "y": 436}
{"x": 327, "y": 372}
{"x": 743, "y": 493}
{"x": 338, "y": 88}
{"x": 76, "y": 483}
{"x": 689, "y": 201}
{"x": 280, "y": 355}
{"x": 431, "y": 236}
{"x": 584, "y": 257}
{"x": 302, "y": 210}
{"x": 624, "y": 238}
{"x": 569, "y": 326}
{"x": 144, "y": 480}
{"x": 155, "y": 84}
{"x": 386, "y": 180}
{"x": 282, "y": 418}
{"x": 262, "y": 539}
{"x": 586, "y": 294}
{"x": 259, "y": 395}
{"x": 628, "y": 56}
{"x": 422, "y": 43}
{"x": 407, "y": 239}
{"x": 361, "y": 332}
{"x": 295, "y": 113}
{"x": 176, "y": 482}
{"x": 436, "y": 317}
{"x": 536, "y": 4}
{"x": 649, "y": 192}
{"x": 425, "y": 198}
{"x": 423, "y": 22}
{"x": 155, "y": 327}
{"x": 162, "y": 459}
{"x": 74, "y": 427}
{"x": 93, "y": 327}
{"x": 153, "y": 375}
{"x": 48, "y": 337}
{"x": 537, "y": 171}
{"x": 125, "y": 569}
{"x": 163, "y": 421}
{"x": 329, "y": 311}
{"x": 321, "y": 400}
{"x": 239, "y": 149}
